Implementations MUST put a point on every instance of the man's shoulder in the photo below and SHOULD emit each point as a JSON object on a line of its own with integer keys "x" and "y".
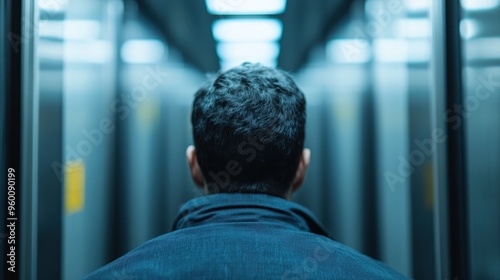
{"x": 335, "y": 258}
{"x": 294, "y": 254}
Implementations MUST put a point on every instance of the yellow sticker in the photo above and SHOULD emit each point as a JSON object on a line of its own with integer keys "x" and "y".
{"x": 429, "y": 186}
{"x": 148, "y": 112}
{"x": 74, "y": 185}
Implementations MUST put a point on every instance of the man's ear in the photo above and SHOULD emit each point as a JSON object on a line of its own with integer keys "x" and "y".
{"x": 305, "y": 158}
{"x": 194, "y": 167}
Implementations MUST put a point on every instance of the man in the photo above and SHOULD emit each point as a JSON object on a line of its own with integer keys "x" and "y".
{"x": 249, "y": 157}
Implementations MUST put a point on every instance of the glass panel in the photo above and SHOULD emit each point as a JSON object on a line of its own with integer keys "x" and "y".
{"x": 480, "y": 31}
{"x": 89, "y": 53}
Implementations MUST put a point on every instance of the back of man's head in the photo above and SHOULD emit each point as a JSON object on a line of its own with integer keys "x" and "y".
{"x": 248, "y": 130}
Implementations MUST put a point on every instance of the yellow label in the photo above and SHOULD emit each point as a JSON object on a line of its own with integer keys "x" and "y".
{"x": 74, "y": 185}
{"x": 429, "y": 186}
{"x": 148, "y": 112}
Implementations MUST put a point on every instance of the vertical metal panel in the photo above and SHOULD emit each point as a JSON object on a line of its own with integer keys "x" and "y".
{"x": 393, "y": 166}
{"x": 18, "y": 141}
{"x": 30, "y": 106}
{"x": 370, "y": 184}
{"x": 421, "y": 185}
{"x": 50, "y": 159}
{"x": 19, "y": 129}
{"x": 450, "y": 180}
{"x": 483, "y": 158}
{"x": 50, "y": 194}
{"x": 333, "y": 186}
{"x": 457, "y": 175}
{"x": 437, "y": 100}
{"x": 142, "y": 183}
{"x": 89, "y": 130}
{"x": 481, "y": 114}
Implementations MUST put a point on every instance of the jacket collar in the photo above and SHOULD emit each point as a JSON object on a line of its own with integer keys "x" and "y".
{"x": 240, "y": 207}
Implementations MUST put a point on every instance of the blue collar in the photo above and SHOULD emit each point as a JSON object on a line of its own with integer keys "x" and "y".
{"x": 241, "y": 207}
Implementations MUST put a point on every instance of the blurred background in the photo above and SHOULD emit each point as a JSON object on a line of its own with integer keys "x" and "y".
{"x": 403, "y": 120}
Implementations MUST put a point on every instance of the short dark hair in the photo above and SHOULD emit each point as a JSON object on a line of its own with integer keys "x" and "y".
{"x": 248, "y": 129}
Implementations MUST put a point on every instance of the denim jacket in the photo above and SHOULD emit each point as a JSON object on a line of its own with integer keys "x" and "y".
{"x": 244, "y": 236}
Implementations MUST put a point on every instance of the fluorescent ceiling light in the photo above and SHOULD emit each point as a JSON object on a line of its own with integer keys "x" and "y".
{"x": 247, "y": 29}
{"x": 417, "y": 5}
{"x": 414, "y": 28}
{"x": 142, "y": 51}
{"x": 482, "y": 49}
{"x": 401, "y": 51}
{"x": 390, "y": 50}
{"x": 248, "y": 7}
{"x": 264, "y": 50}
{"x": 480, "y": 5}
{"x": 80, "y": 30}
{"x": 469, "y": 28}
{"x": 98, "y": 51}
{"x": 51, "y": 29}
{"x": 348, "y": 51}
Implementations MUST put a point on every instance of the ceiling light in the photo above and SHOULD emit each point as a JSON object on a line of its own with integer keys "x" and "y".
{"x": 80, "y": 30}
{"x": 248, "y": 7}
{"x": 247, "y": 29}
{"x": 482, "y": 49}
{"x": 99, "y": 51}
{"x": 479, "y": 5}
{"x": 469, "y": 28}
{"x": 142, "y": 51}
{"x": 414, "y": 28}
{"x": 264, "y": 50}
{"x": 417, "y": 5}
{"x": 401, "y": 51}
{"x": 348, "y": 51}
{"x": 390, "y": 50}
